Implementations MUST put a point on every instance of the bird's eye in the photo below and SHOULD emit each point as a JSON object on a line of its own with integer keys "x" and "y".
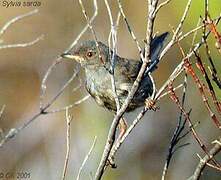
{"x": 90, "y": 54}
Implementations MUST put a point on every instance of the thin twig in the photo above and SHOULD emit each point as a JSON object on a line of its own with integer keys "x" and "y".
{"x": 17, "y": 45}
{"x": 162, "y": 5}
{"x": 167, "y": 93}
{"x": 177, "y": 132}
{"x": 1, "y": 113}
{"x": 198, "y": 27}
{"x": 92, "y": 29}
{"x": 190, "y": 70}
{"x": 12, "y": 21}
{"x": 2, "y": 110}
{"x": 180, "y": 67}
{"x": 130, "y": 29}
{"x": 43, "y": 111}
{"x": 209, "y": 83}
{"x": 14, "y": 131}
{"x": 175, "y": 35}
{"x": 86, "y": 158}
{"x": 212, "y": 69}
{"x": 68, "y": 118}
{"x": 69, "y": 106}
{"x": 129, "y": 130}
{"x": 195, "y": 34}
{"x": 79, "y": 84}
{"x": 187, "y": 117}
{"x": 67, "y": 83}
{"x": 15, "y": 19}
{"x": 214, "y": 167}
{"x": 113, "y": 35}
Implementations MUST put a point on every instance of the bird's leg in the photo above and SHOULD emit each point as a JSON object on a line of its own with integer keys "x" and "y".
{"x": 122, "y": 130}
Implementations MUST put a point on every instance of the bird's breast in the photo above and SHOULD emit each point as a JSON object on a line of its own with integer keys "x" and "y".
{"x": 98, "y": 84}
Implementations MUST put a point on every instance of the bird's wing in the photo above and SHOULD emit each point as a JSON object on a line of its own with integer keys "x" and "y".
{"x": 126, "y": 72}
{"x": 128, "y": 69}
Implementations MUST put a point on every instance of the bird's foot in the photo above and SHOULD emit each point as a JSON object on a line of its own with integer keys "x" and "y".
{"x": 111, "y": 162}
{"x": 122, "y": 130}
{"x": 151, "y": 104}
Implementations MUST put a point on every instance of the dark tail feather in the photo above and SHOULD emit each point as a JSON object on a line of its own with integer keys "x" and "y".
{"x": 156, "y": 47}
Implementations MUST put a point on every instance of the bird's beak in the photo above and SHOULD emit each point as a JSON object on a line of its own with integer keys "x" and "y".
{"x": 75, "y": 57}
{"x": 68, "y": 56}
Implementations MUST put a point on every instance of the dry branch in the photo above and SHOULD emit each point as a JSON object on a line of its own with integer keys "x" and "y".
{"x": 203, "y": 162}
{"x": 86, "y": 158}
{"x": 68, "y": 118}
{"x": 11, "y": 22}
{"x": 15, "y": 19}
{"x": 112, "y": 131}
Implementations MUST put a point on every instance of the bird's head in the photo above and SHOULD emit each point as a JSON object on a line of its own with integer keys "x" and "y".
{"x": 87, "y": 54}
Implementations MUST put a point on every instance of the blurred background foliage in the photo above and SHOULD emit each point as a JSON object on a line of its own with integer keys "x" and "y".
{"x": 40, "y": 149}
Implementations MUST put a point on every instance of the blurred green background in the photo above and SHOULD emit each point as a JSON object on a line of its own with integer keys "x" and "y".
{"x": 40, "y": 148}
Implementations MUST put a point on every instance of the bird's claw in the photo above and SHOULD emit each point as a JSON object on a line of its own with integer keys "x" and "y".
{"x": 111, "y": 162}
{"x": 151, "y": 104}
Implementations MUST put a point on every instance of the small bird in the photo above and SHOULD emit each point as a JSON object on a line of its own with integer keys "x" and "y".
{"x": 97, "y": 64}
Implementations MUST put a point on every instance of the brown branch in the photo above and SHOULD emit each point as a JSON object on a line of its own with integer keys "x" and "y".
{"x": 212, "y": 69}
{"x": 215, "y": 32}
{"x": 180, "y": 67}
{"x": 201, "y": 90}
{"x": 209, "y": 84}
{"x": 172, "y": 77}
{"x": 190, "y": 70}
{"x": 174, "y": 97}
